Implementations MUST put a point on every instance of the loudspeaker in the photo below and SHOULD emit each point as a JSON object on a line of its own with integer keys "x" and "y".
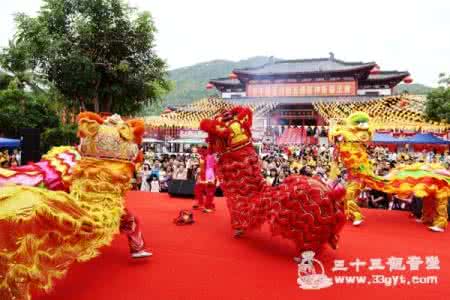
{"x": 182, "y": 188}
{"x": 219, "y": 192}
{"x": 31, "y": 141}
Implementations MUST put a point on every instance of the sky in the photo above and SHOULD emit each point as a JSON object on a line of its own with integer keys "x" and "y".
{"x": 411, "y": 35}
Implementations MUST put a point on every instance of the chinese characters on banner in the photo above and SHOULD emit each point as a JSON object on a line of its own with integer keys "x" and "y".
{"x": 345, "y": 88}
{"x": 297, "y": 113}
{"x": 391, "y": 264}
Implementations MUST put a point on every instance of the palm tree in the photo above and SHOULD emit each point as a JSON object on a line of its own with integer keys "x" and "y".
{"x": 15, "y": 69}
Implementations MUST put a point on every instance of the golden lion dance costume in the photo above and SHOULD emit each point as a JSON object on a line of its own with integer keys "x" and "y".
{"x": 42, "y": 231}
{"x": 52, "y": 172}
{"x": 428, "y": 181}
{"x": 301, "y": 209}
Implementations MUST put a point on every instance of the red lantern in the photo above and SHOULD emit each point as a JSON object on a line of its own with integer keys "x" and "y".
{"x": 375, "y": 70}
{"x": 233, "y": 75}
{"x": 209, "y": 86}
{"x": 408, "y": 80}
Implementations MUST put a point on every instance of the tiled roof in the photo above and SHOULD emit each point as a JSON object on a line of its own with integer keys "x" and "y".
{"x": 226, "y": 81}
{"x": 404, "y": 112}
{"x": 387, "y": 75}
{"x": 316, "y": 65}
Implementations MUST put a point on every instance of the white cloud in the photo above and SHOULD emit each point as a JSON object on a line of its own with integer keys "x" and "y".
{"x": 404, "y": 35}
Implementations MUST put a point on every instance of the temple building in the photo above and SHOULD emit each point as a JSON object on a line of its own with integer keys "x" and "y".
{"x": 296, "y": 101}
{"x": 292, "y": 87}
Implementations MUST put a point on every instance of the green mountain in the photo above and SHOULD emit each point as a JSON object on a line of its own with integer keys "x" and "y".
{"x": 190, "y": 82}
{"x": 414, "y": 88}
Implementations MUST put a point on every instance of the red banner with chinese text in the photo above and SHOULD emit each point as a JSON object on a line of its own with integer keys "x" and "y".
{"x": 344, "y": 88}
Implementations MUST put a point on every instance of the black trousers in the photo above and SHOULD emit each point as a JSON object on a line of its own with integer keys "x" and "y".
{"x": 416, "y": 207}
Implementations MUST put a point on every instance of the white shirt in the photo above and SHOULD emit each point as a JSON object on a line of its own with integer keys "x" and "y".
{"x": 155, "y": 186}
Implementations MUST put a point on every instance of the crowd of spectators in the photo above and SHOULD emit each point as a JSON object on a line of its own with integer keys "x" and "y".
{"x": 10, "y": 158}
{"x": 159, "y": 168}
{"x": 277, "y": 163}
{"x": 316, "y": 160}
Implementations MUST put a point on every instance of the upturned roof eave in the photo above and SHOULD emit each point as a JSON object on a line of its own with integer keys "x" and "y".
{"x": 367, "y": 66}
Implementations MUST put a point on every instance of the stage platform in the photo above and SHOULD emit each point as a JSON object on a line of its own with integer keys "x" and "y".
{"x": 204, "y": 261}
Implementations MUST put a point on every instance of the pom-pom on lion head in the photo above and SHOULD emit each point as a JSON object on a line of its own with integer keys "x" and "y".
{"x": 110, "y": 138}
{"x": 356, "y": 129}
{"x": 228, "y": 130}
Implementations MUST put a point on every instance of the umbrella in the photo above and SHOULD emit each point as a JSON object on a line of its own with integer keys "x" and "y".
{"x": 9, "y": 143}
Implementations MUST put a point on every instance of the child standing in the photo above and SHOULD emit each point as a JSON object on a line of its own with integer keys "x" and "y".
{"x": 145, "y": 174}
{"x": 154, "y": 184}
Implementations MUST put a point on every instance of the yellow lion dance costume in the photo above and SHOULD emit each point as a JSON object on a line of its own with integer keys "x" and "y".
{"x": 428, "y": 181}
{"x": 42, "y": 232}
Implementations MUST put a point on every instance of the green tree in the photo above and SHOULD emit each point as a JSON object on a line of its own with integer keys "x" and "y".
{"x": 444, "y": 79}
{"x": 21, "y": 109}
{"x": 59, "y": 136}
{"x": 98, "y": 53}
{"x": 5, "y": 80}
{"x": 15, "y": 61}
{"x": 437, "y": 106}
{"x": 157, "y": 107}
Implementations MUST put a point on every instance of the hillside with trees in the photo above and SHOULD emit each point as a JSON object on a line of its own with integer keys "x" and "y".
{"x": 190, "y": 81}
{"x": 414, "y": 88}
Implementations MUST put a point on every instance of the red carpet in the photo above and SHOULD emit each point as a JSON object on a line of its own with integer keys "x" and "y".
{"x": 203, "y": 261}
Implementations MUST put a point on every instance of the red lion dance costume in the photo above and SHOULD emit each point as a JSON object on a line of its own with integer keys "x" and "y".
{"x": 301, "y": 209}
{"x": 205, "y": 187}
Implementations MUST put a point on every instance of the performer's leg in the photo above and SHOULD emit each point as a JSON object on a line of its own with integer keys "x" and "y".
{"x": 209, "y": 201}
{"x": 352, "y": 210}
{"x": 237, "y": 216}
{"x": 130, "y": 226}
{"x": 428, "y": 209}
{"x": 243, "y": 214}
{"x": 416, "y": 207}
{"x": 198, "y": 193}
{"x": 441, "y": 213}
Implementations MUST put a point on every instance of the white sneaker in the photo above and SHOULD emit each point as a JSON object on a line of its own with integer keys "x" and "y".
{"x": 436, "y": 229}
{"x": 357, "y": 222}
{"x": 419, "y": 220}
{"x": 141, "y": 254}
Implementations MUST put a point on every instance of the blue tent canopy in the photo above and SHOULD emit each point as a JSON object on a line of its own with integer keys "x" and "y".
{"x": 426, "y": 138}
{"x": 384, "y": 138}
{"x": 9, "y": 143}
